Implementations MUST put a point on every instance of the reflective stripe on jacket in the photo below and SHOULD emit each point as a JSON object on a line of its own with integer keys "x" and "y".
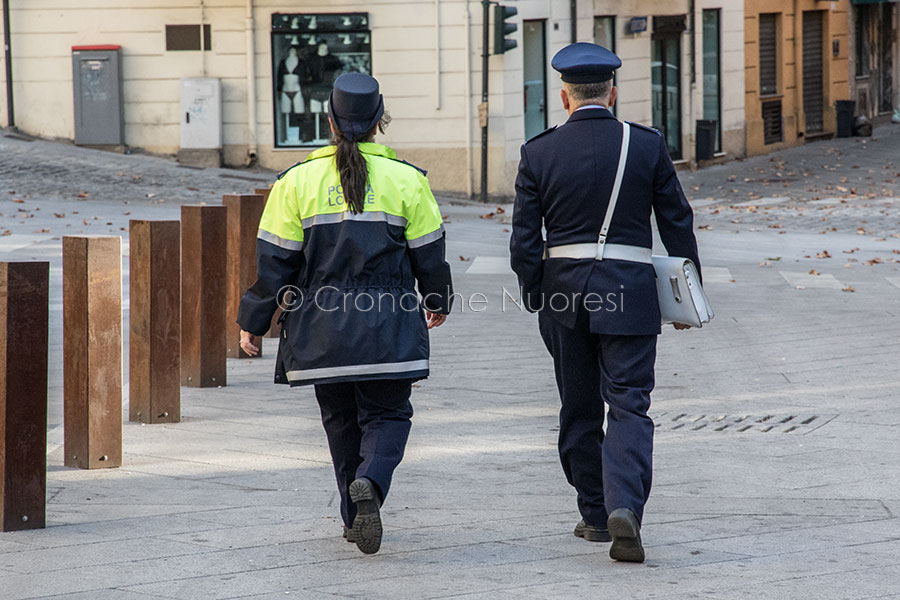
{"x": 355, "y": 313}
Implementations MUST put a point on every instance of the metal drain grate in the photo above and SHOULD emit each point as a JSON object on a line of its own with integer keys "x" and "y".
{"x": 713, "y": 423}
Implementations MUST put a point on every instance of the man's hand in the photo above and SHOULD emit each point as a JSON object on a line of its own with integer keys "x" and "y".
{"x": 681, "y": 326}
{"x": 248, "y": 343}
{"x": 434, "y": 319}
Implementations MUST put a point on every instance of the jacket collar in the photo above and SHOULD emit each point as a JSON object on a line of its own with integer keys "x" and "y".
{"x": 590, "y": 113}
{"x": 364, "y": 147}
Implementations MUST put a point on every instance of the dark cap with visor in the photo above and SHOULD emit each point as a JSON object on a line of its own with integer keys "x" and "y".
{"x": 583, "y": 62}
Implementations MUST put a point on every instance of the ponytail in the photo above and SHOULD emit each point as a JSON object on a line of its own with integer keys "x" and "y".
{"x": 354, "y": 172}
{"x": 351, "y": 166}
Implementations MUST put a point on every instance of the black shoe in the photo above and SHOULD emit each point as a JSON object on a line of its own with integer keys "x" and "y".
{"x": 592, "y": 533}
{"x": 626, "y": 536}
{"x": 349, "y": 535}
{"x": 367, "y": 524}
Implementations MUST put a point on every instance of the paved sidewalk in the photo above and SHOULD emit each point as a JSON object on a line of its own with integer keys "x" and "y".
{"x": 776, "y": 465}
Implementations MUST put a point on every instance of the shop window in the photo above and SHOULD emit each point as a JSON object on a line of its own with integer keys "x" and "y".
{"x": 712, "y": 71}
{"x": 310, "y": 51}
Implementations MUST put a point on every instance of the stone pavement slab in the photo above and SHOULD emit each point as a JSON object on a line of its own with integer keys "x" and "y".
{"x": 795, "y": 498}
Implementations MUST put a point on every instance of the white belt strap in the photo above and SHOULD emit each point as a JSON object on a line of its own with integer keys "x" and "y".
{"x": 611, "y": 252}
{"x": 601, "y": 249}
{"x": 617, "y": 185}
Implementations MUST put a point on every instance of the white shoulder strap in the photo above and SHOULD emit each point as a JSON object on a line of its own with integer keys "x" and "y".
{"x": 617, "y": 185}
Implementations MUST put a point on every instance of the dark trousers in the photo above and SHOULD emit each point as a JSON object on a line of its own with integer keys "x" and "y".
{"x": 613, "y": 470}
{"x": 367, "y": 424}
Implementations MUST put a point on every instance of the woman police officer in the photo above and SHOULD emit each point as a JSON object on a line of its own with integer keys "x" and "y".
{"x": 351, "y": 230}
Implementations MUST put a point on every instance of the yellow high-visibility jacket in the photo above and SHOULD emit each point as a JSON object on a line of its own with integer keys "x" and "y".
{"x": 348, "y": 281}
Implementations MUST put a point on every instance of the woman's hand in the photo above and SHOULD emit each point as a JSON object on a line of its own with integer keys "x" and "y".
{"x": 434, "y": 319}
{"x": 681, "y": 326}
{"x": 248, "y": 343}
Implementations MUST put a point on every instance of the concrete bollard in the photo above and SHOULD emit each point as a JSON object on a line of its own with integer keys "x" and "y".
{"x": 92, "y": 351}
{"x": 154, "y": 340}
{"x": 244, "y": 213}
{"x": 23, "y": 394}
{"x": 203, "y": 299}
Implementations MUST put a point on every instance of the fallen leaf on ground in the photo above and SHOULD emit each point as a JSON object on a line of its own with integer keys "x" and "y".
{"x": 59, "y": 215}
{"x": 489, "y": 215}
{"x": 42, "y": 231}
{"x": 823, "y": 254}
{"x": 814, "y": 272}
{"x": 800, "y": 287}
{"x": 704, "y": 227}
{"x": 18, "y": 201}
{"x": 874, "y": 261}
{"x": 851, "y": 251}
{"x": 500, "y": 210}
{"x": 848, "y": 289}
{"x": 5, "y": 233}
{"x": 776, "y": 226}
{"x": 773, "y": 258}
{"x": 82, "y": 195}
{"x": 765, "y": 264}
{"x": 463, "y": 258}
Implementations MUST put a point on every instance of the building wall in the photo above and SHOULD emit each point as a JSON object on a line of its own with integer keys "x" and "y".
{"x": 427, "y": 99}
{"x": 790, "y": 68}
{"x": 427, "y": 60}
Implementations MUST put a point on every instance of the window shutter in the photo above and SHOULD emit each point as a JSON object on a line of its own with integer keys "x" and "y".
{"x": 768, "y": 66}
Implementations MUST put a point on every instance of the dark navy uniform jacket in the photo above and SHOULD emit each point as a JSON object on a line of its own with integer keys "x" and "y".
{"x": 565, "y": 178}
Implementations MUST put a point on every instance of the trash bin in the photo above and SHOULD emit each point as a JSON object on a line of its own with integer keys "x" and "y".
{"x": 705, "y": 139}
{"x": 845, "y": 110}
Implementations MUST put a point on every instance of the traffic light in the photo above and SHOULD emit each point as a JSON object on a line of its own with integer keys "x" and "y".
{"x": 502, "y": 29}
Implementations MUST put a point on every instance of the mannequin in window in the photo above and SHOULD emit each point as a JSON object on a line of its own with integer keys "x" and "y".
{"x": 322, "y": 68}
{"x": 289, "y": 78}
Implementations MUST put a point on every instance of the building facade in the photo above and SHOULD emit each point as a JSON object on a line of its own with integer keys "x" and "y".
{"x": 796, "y": 56}
{"x": 875, "y": 70}
{"x": 276, "y": 60}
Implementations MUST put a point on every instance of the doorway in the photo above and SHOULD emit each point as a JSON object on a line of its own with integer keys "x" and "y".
{"x": 813, "y": 71}
{"x": 534, "y": 55}
{"x": 665, "y": 67}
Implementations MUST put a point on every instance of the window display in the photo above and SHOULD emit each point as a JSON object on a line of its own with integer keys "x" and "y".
{"x": 308, "y": 53}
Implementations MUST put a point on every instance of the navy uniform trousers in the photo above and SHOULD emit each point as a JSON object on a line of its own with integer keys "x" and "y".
{"x": 613, "y": 470}
{"x": 367, "y": 424}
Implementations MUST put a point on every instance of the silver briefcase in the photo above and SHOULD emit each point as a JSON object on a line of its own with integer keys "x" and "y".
{"x": 681, "y": 296}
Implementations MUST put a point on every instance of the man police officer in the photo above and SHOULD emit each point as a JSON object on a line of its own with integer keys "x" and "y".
{"x": 599, "y": 316}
